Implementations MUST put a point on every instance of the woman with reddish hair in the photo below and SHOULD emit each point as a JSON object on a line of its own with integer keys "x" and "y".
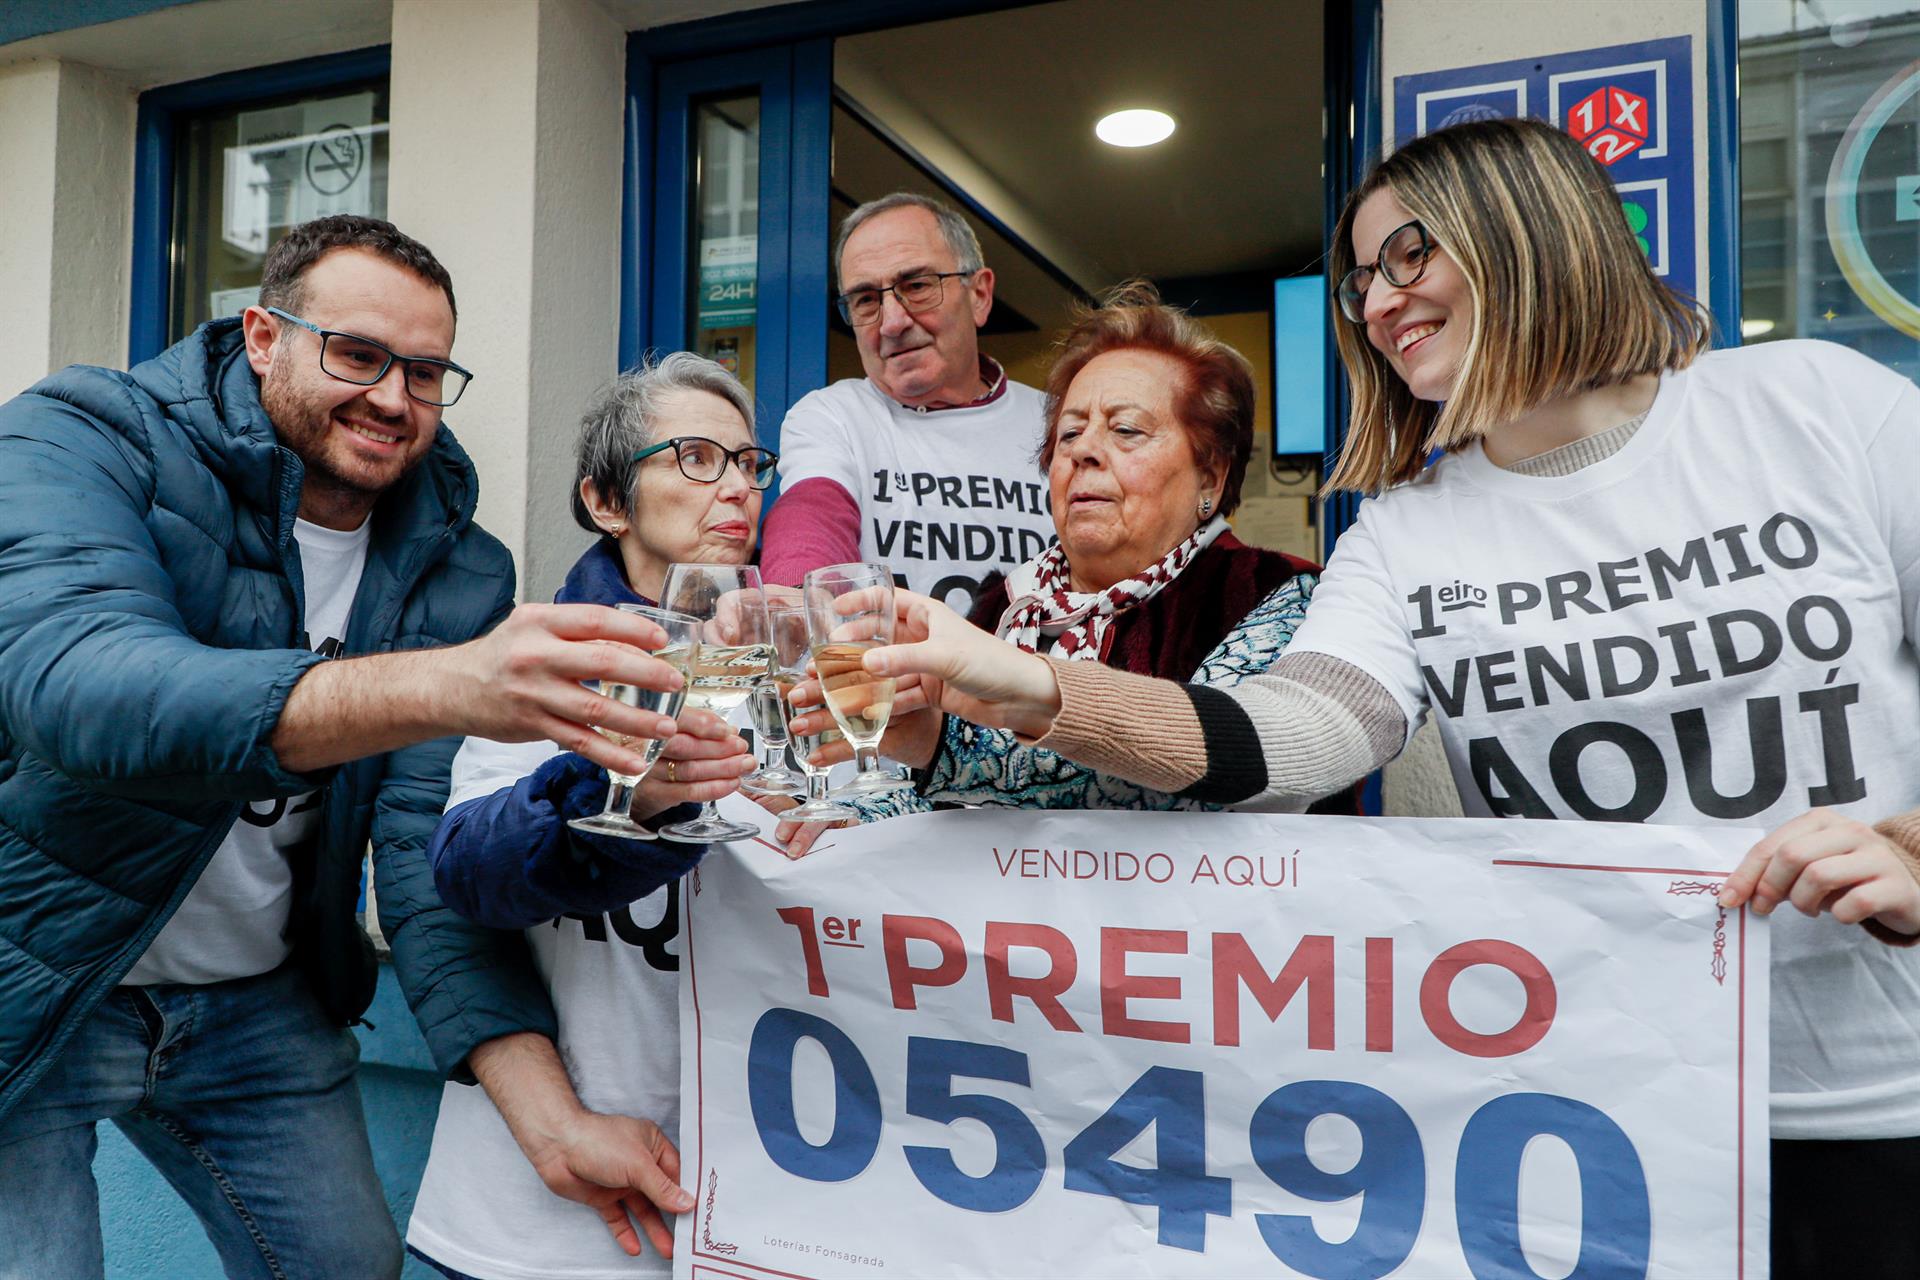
{"x": 1149, "y": 428}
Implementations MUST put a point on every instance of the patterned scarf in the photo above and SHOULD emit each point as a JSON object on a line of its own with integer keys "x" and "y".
{"x": 1044, "y": 604}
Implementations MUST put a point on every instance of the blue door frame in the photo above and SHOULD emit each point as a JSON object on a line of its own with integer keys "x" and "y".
{"x": 155, "y": 132}
{"x": 1354, "y": 95}
{"x": 795, "y": 86}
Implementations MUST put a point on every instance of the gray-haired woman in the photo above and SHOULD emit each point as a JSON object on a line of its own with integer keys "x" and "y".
{"x": 667, "y": 470}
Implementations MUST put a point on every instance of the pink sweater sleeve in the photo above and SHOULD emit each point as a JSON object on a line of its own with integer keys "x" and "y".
{"x": 814, "y": 523}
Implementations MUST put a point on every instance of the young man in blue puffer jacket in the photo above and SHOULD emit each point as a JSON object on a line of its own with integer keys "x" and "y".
{"x": 195, "y": 555}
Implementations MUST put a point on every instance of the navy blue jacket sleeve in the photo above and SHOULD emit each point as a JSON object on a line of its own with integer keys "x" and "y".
{"x": 465, "y": 984}
{"x": 98, "y": 674}
{"x": 510, "y": 861}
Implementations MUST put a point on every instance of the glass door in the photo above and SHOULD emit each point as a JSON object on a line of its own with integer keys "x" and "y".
{"x": 723, "y": 313}
{"x": 739, "y": 234}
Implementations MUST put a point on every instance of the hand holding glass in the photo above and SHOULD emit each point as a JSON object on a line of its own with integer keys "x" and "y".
{"x": 849, "y": 611}
{"x": 681, "y": 649}
{"x": 790, "y": 650}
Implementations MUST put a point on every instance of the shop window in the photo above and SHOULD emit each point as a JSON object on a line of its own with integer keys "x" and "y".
{"x": 726, "y": 206}
{"x": 245, "y": 173}
{"x": 1830, "y": 174}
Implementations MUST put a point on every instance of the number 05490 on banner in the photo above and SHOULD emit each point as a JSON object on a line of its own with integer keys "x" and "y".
{"x": 1222, "y": 1044}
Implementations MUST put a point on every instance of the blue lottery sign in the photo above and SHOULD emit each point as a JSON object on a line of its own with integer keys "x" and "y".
{"x": 1630, "y": 104}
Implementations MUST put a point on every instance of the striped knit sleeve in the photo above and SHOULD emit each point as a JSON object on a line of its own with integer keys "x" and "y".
{"x": 1304, "y": 728}
{"x": 975, "y": 765}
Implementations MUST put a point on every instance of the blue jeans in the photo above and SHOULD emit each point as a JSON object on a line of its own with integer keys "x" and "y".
{"x": 242, "y": 1095}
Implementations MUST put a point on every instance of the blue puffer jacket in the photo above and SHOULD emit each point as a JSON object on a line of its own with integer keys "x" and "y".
{"x": 150, "y": 609}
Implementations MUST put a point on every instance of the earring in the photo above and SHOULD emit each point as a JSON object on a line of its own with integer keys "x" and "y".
{"x": 617, "y": 531}
{"x": 1206, "y": 507}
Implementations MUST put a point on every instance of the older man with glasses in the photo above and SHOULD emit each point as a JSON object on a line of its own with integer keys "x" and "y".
{"x": 245, "y": 615}
{"x": 926, "y": 463}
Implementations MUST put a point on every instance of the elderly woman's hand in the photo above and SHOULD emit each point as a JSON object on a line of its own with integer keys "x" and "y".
{"x": 702, "y": 762}
{"x": 966, "y": 671}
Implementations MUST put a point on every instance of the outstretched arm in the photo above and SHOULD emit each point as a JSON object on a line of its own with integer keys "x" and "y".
{"x": 1306, "y": 727}
{"x": 522, "y": 682}
{"x": 989, "y": 766}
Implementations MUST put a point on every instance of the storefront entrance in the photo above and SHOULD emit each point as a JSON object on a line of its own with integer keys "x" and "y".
{"x": 758, "y": 155}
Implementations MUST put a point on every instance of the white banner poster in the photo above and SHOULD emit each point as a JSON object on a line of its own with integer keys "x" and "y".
{"x": 1123, "y": 1044}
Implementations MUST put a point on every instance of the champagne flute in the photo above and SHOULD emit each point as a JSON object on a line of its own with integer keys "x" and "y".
{"x": 849, "y": 611}
{"x": 790, "y": 648}
{"x": 680, "y": 651}
{"x": 730, "y": 604}
{"x": 818, "y": 807}
{"x": 769, "y": 704}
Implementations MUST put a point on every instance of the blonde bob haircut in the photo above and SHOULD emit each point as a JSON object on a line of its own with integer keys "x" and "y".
{"x": 1564, "y": 298}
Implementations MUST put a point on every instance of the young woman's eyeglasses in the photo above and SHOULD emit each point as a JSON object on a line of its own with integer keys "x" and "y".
{"x": 862, "y": 307}
{"x": 363, "y": 362}
{"x": 1403, "y": 259}
{"x": 704, "y": 461}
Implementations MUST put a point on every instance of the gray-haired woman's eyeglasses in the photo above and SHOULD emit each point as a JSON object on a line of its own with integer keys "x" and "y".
{"x": 704, "y": 461}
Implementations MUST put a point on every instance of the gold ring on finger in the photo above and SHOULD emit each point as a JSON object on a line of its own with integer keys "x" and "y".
{"x": 670, "y": 765}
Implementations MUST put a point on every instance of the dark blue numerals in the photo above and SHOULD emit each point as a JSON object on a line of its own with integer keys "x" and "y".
{"x": 1616, "y": 1227}
{"x": 1175, "y": 1104}
{"x": 856, "y": 1099}
{"x": 1020, "y": 1158}
{"x": 1391, "y": 1173}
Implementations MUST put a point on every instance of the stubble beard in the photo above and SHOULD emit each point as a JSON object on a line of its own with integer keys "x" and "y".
{"x": 306, "y": 428}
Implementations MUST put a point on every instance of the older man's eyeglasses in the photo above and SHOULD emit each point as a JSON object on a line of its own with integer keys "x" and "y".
{"x": 862, "y": 307}
{"x": 363, "y": 362}
{"x": 1403, "y": 259}
{"x": 704, "y": 461}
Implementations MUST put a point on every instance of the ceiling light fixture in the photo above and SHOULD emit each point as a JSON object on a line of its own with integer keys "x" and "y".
{"x": 1755, "y": 328}
{"x": 1139, "y": 127}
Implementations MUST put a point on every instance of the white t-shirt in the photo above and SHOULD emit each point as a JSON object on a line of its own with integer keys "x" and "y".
{"x": 615, "y": 983}
{"x": 1739, "y": 583}
{"x": 233, "y": 922}
{"x": 947, "y": 496}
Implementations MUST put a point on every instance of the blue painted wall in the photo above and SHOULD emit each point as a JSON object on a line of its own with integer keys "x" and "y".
{"x": 151, "y": 1235}
{"x": 24, "y": 19}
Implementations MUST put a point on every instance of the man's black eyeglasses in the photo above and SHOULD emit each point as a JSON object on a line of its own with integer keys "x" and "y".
{"x": 862, "y": 307}
{"x": 704, "y": 461}
{"x": 363, "y": 362}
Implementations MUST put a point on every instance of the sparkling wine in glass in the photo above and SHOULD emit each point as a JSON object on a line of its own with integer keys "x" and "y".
{"x": 770, "y": 703}
{"x": 790, "y": 652}
{"x": 849, "y": 611}
{"x": 680, "y": 650}
{"x": 729, "y": 602}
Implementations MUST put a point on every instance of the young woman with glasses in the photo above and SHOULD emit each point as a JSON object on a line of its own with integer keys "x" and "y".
{"x": 667, "y": 470}
{"x": 1641, "y": 582}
